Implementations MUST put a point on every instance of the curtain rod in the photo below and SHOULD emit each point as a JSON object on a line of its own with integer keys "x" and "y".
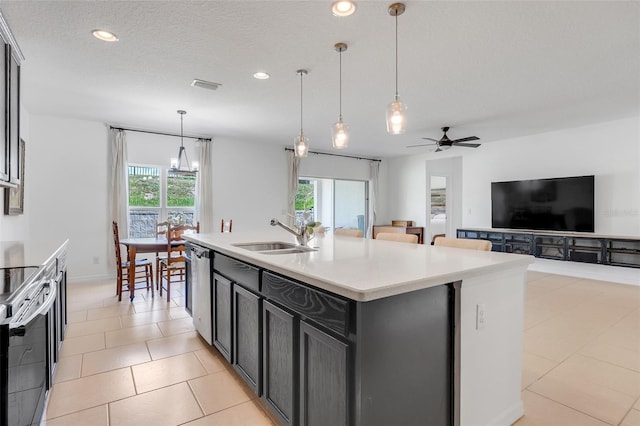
{"x": 339, "y": 155}
{"x": 158, "y": 133}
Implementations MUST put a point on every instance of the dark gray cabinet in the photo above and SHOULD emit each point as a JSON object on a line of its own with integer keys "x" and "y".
{"x": 324, "y": 378}
{"x": 247, "y": 335}
{"x": 222, "y": 324}
{"x": 280, "y": 362}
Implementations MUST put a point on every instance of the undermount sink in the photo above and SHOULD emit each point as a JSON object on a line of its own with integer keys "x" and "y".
{"x": 274, "y": 247}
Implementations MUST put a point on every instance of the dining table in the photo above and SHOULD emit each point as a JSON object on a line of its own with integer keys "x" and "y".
{"x": 143, "y": 245}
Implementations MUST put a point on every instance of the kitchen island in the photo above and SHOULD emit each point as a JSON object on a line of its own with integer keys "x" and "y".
{"x": 369, "y": 332}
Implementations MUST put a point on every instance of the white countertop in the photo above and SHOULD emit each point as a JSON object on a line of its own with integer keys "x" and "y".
{"x": 16, "y": 254}
{"x": 364, "y": 269}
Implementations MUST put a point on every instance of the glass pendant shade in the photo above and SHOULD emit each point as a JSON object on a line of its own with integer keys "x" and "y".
{"x": 397, "y": 117}
{"x": 340, "y": 135}
{"x": 301, "y": 145}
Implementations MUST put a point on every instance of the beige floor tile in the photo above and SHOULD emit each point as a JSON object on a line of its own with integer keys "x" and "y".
{"x": 167, "y": 371}
{"x": 211, "y": 360}
{"x": 178, "y": 300}
{"x": 554, "y": 346}
{"x": 175, "y": 345}
{"x": 144, "y": 318}
{"x": 97, "y": 416}
{"x": 620, "y": 356}
{"x": 75, "y": 395}
{"x": 127, "y": 336}
{"x": 179, "y": 312}
{"x": 153, "y": 304}
{"x": 536, "y": 315}
{"x": 636, "y": 406}
{"x": 68, "y": 368}
{"x": 541, "y": 411}
{"x": 536, "y": 275}
{"x": 562, "y": 299}
{"x": 219, "y": 391}
{"x": 172, "y": 405}
{"x": 534, "y": 367}
{"x": 114, "y": 358}
{"x": 79, "y": 345}
{"x": 77, "y": 316}
{"x": 596, "y": 388}
{"x": 83, "y": 305}
{"x": 177, "y": 326}
{"x": 245, "y": 414}
{"x": 92, "y": 327}
{"x": 632, "y": 419}
{"x": 554, "y": 282}
{"x": 110, "y": 311}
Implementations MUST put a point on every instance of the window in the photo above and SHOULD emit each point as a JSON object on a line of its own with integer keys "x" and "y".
{"x": 155, "y": 194}
{"x": 335, "y": 203}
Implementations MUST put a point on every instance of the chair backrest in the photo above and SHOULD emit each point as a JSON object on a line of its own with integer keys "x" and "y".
{"x": 226, "y": 226}
{"x": 116, "y": 240}
{"x": 348, "y": 232}
{"x": 162, "y": 228}
{"x": 401, "y": 238}
{"x": 175, "y": 232}
{"x": 465, "y": 243}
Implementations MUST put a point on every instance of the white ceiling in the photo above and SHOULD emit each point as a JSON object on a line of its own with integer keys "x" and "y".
{"x": 495, "y": 69}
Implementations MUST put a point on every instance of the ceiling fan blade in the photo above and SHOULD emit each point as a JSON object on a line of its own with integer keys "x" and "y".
{"x": 422, "y": 144}
{"x": 429, "y": 139}
{"x": 468, "y": 145}
{"x": 470, "y": 138}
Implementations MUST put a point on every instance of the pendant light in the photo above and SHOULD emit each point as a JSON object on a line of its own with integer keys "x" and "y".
{"x": 397, "y": 110}
{"x": 181, "y": 164}
{"x": 340, "y": 133}
{"x": 301, "y": 143}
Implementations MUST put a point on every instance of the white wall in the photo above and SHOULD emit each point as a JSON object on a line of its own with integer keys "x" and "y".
{"x": 610, "y": 151}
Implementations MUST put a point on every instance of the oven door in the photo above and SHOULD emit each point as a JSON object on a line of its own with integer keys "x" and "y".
{"x": 28, "y": 358}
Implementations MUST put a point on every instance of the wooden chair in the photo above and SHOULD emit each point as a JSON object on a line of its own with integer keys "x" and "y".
{"x": 143, "y": 270}
{"x": 161, "y": 232}
{"x": 463, "y": 243}
{"x": 172, "y": 267}
{"x": 349, "y": 232}
{"x": 224, "y": 228}
{"x": 401, "y": 238}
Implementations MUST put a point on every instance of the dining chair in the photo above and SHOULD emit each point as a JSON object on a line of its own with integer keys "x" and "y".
{"x": 172, "y": 267}
{"x": 143, "y": 270}
{"x": 465, "y": 243}
{"x": 348, "y": 232}
{"x": 226, "y": 226}
{"x": 401, "y": 238}
{"x": 161, "y": 232}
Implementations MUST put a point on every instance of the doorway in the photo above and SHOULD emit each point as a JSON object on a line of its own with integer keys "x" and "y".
{"x": 444, "y": 197}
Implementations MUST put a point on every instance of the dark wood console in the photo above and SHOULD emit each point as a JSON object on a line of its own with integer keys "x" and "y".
{"x": 589, "y": 248}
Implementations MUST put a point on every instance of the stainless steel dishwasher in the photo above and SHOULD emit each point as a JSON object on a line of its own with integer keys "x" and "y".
{"x": 198, "y": 297}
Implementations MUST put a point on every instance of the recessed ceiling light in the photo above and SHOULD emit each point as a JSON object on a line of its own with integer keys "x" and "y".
{"x": 261, "y": 75}
{"x": 104, "y": 35}
{"x": 343, "y": 8}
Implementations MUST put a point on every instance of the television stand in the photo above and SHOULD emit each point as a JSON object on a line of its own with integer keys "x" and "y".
{"x": 567, "y": 246}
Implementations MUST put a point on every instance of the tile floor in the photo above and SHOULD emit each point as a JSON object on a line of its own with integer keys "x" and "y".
{"x": 142, "y": 363}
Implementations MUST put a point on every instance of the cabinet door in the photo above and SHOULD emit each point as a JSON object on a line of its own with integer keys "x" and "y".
{"x": 14, "y": 121}
{"x": 222, "y": 315}
{"x": 247, "y": 336}
{"x": 280, "y": 355}
{"x": 324, "y": 378}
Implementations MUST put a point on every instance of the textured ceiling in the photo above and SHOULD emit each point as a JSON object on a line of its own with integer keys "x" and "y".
{"x": 495, "y": 69}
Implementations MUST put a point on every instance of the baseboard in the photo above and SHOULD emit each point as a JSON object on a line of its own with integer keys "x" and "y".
{"x": 617, "y": 274}
{"x": 508, "y": 416}
{"x": 91, "y": 278}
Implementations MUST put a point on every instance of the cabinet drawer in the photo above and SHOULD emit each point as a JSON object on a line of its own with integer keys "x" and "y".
{"x": 240, "y": 272}
{"x": 327, "y": 310}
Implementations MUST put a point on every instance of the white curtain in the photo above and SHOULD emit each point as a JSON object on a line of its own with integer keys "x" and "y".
{"x": 119, "y": 182}
{"x": 373, "y": 195}
{"x": 294, "y": 165}
{"x": 204, "y": 191}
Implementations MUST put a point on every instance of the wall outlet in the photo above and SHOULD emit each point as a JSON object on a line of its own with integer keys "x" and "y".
{"x": 481, "y": 319}
{"x": 96, "y": 260}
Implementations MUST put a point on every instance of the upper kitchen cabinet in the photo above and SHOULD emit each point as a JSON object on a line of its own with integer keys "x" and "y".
{"x": 10, "y": 62}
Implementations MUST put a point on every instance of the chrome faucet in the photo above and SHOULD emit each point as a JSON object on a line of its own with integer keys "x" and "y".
{"x": 302, "y": 235}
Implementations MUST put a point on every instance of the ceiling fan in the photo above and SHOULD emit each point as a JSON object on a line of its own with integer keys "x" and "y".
{"x": 446, "y": 143}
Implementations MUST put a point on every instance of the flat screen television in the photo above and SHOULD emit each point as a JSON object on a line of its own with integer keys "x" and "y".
{"x": 559, "y": 204}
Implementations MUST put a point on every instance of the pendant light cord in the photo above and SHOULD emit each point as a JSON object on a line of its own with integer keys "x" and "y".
{"x": 340, "y": 91}
{"x": 181, "y": 130}
{"x": 301, "y": 73}
{"x": 396, "y": 14}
